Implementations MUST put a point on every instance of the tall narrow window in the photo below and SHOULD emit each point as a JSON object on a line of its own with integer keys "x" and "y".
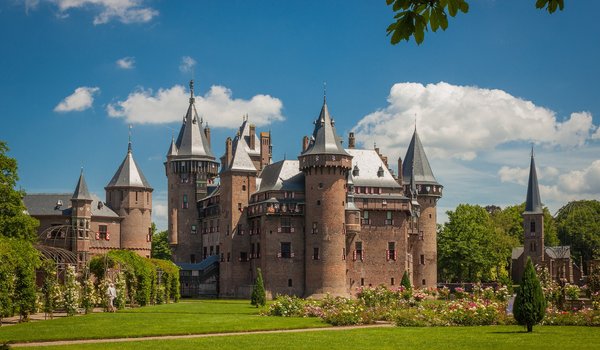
{"x": 358, "y": 251}
{"x": 391, "y": 253}
{"x": 102, "y": 230}
{"x": 388, "y": 218}
{"x": 365, "y": 218}
{"x": 194, "y": 229}
{"x": 314, "y": 227}
{"x": 184, "y": 205}
{"x": 316, "y": 253}
{"x": 532, "y": 226}
{"x": 286, "y": 224}
{"x": 422, "y": 259}
{"x": 286, "y": 250}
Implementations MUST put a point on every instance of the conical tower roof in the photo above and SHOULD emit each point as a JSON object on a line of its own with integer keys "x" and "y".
{"x": 191, "y": 141}
{"x": 129, "y": 174}
{"x": 533, "y": 203}
{"x": 81, "y": 190}
{"x": 324, "y": 139}
{"x": 416, "y": 164}
{"x": 172, "y": 149}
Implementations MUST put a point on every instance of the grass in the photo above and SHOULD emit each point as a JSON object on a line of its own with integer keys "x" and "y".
{"x": 186, "y": 317}
{"x": 488, "y": 337}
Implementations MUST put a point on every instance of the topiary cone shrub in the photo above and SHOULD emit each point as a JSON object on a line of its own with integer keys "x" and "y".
{"x": 406, "y": 281}
{"x": 259, "y": 297}
{"x": 530, "y": 304}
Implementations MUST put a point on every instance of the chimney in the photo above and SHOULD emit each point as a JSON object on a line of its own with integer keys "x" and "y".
{"x": 400, "y": 170}
{"x": 351, "y": 140}
{"x": 228, "y": 153}
{"x": 207, "y": 134}
{"x": 265, "y": 149}
{"x": 252, "y": 137}
{"x": 304, "y": 143}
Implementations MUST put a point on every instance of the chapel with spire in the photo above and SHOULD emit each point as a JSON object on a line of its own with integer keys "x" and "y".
{"x": 556, "y": 259}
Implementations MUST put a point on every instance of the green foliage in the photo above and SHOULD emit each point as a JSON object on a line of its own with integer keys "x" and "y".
{"x": 594, "y": 280}
{"x": 406, "y": 281}
{"x": 530, "y": 304}
{"x": 71, "y": 291}
{"x": 160, "y": 244}
{"x": 50, "y": 287}
{"x": 88, "y": 295}
{"x": 14, "y": 222}
{"x": 579, "y": 226}
{"x": 414, "y": 17}
{"x": 259, "y": 297}
{"x": 169, "y": 280}
{"x": 470, "y": 249}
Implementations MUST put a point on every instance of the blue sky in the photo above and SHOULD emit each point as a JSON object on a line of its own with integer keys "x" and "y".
{"x": 501, "y": 77}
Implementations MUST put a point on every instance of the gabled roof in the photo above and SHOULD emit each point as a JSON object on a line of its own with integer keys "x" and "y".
{"x": 81, "y": 190}
{"x": 368, "y": 163}
{"x": 282, "y": 176}
{"x": 324, "y": 139}
{"x": 415, "y": 162}
{"x": 129, "y": 174}
{"x": 533, "y": 203}
{"x": 245, "y": 134}
{"x": 191, "y": 141}
{"x": 240, "y": 159}
{"x": 46, "y": 204}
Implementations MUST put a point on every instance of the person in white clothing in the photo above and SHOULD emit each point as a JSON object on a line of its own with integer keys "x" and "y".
{"x": 111, "y": 292}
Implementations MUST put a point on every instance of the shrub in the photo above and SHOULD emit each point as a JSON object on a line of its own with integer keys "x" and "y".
{"x": 341, "y": 311}
{"x": 288, "y": 306}
{"x": 50, "y": 288}
{"x": 259, "y": 297}
{"x": 71, "y": 291}
{"x": 405, "y": 281}
{"x": 571, "y": 291}
{"x": 530, "y": 303}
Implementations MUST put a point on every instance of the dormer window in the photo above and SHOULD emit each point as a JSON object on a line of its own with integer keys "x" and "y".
{"x": 355, "y": 171}
{"x": 380, "y": 172}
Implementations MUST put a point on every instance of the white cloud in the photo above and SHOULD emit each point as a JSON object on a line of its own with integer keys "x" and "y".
{"x": 217, "y": 107}
{"x": 521, "y": 175}
{"x": 462, "y": 121}
{"x": 125, "y": 11}
{"x": 187, "y": 64}
{"x": 78, "y": 101}
{"x": 126, "y": 63}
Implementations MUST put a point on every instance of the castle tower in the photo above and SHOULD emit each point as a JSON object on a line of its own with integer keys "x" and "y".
{"x": 81, "y": 217}
{"x": 533, "y": 218}
{"x": 325, "y": 165}
{"x": 190, "y": 167}
{"x": 240, "y": 165}
{"x": 418, "y": 181}
{"x": 130, "y": 195}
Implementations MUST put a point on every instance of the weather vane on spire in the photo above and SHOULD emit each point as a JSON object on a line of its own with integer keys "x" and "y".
{"x": 129, "y": 144}
{"x": 192, "y": 91}
{"x": 324, "y": 91}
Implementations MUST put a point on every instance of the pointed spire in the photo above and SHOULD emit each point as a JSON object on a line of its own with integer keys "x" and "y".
{"x": 416, "y": 164}
{"x": 129, "y": 174}
{"x": 533, "y": 203}
{"x": 326, "y": 140}
{"x": 129, "y": 145}
{"x": 173, "y": 148}
{"x": 81, "y": 190}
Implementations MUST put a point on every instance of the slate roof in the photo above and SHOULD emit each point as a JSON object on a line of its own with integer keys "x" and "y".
{"x": 369, "y": 164}
{"x": 191, "y": 141}
{"x": 44, "y": 204}
{"x": 245, "y": 134}
{"x": 415, "y": 162}
{"x": 282, "y": 176}
{"x": 558, "y": 252}
{"x": 533, "y": 203}
{"x": 199, "y": 266}
{"x": 81, "y": 190}
{"x": 129, "y": 174}
{"x": 324, "y": 139}
{"x": 240, "y": 159}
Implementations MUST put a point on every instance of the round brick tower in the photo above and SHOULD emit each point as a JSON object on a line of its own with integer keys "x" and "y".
{"x": 130, "y": 195}
{"x": 325, "y": 164}
{"x": 420, "y": 184}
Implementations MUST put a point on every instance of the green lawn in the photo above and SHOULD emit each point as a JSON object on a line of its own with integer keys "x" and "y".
{"x": 186, "y": 317}
{"x": 447, "y": 338}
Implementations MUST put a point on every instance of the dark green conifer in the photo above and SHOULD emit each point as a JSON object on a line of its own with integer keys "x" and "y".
{"x": 530, "y": 305}
{"x": 406, "y": 281}
{"x": 259, "y": 297}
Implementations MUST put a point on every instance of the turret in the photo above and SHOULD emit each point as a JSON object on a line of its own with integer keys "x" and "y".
{"x": 130, "y": 195}
{"x": 325, "y": 164}
{"x": 81, "y": 217}
{"x": 533, "y": 218}
{"x": 190, "y": 167}
{"x": 424, "y": 190}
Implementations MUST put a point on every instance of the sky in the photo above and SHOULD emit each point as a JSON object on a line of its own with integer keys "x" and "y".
{"x": 74, "y": 74}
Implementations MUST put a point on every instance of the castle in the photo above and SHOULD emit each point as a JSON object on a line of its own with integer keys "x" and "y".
{"x": 74, "y": 227}
{"x": 333, "y": 221}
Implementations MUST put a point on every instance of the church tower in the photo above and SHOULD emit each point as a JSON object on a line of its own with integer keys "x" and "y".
{"x": 81, "y": 216}
{"x": 190, "y": 168}
{"x": 130, "y": 195}
{"x": 533, "y": 218}
{"x": 325, "y": 165}
{"x": 419, "y": 183}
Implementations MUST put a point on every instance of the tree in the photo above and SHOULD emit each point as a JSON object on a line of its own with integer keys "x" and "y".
{"x": 470, "y": 249}
{"x": 510, "y": 221}
{"x": 14, "y": 221}
{"x": 579, "y": 226}
{"x": 160, "y": 244}
{"x": 530, "y": 304}
{"x": 414, "y": 17}
{"x": 259, "y": 297}
{"x": 405, "y": 281}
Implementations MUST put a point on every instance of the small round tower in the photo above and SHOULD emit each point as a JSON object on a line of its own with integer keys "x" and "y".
{"x": 325, "y": 165}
